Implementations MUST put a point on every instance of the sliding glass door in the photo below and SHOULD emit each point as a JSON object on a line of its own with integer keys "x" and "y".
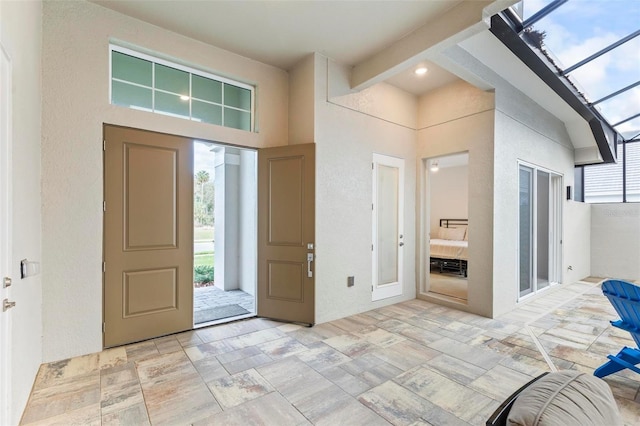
{"x": 540, "y": 217}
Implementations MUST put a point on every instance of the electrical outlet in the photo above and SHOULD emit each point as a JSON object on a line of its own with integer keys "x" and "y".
{"x": 350, "y": 281}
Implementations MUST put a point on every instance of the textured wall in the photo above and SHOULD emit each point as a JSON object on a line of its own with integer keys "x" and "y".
{"x": 21, "y": 38}
{"x": 449, "y": 188}
{"x": 346, "y": 140}
{"x": 75, "y": 105}
{"x": 615, "y": 240}
{"x": 458, "y": 118}
{"x": 539, "y": 139}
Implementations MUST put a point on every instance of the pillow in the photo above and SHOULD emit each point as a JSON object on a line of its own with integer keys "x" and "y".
{"x": 565, "y": 398}
{"x": 456, "y": 234}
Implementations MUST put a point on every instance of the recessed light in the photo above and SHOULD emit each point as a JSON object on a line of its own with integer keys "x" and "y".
{"x": 184, "y": 98}
{"x": 421, "y": 71}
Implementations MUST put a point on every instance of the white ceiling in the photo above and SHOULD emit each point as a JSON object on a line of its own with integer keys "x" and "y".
{"x": 281, "y": 33}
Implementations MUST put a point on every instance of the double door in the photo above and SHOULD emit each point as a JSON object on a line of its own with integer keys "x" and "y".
{"x": 148, "y": 234}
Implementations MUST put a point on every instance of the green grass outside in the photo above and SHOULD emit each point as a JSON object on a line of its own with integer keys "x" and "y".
{"x": 206, "y": 260}
{"x": 203, "y": 233}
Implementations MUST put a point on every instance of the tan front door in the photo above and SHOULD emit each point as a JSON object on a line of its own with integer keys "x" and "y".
{"x": 286, "y": 233}
{"x": 148, "y": 235}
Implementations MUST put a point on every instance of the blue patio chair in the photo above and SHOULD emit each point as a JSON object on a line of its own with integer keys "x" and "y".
{"x": 625, "y": 298}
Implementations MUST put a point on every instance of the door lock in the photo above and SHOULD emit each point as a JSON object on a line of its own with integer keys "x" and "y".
{"x": 309, "y": 260}
{"x": 6, "y": 282}
{"x": 7, "y": 305}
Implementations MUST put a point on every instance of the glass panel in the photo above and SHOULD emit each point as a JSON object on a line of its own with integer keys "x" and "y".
{"x": 237, "y": 97}
{"x": 206, "y": 89}
{"x": 207, "y": 113}
{"x": 135, "y": 70}
{"x": 531, "y": 7}
{"x": 633, "y": 171}
{"x": 542, "y": 222}
{"x": 237, "y": 119}
{"x": 387, "y": 224}
{"x": 578, "y": 183}
{"x": 612, "y": 71}
{"x": 578, "y": 29}
{"x": 172, "y": 80}
{"x": 620, "y": 107}
{"x": 131, "y": 96}
{"x": 630, "y": 129}
{"x": 526, "y": 229}
{"x": 603, "y": 182}
{"x": 171, "y": 104}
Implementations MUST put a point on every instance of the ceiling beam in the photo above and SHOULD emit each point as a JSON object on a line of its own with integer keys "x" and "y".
{"x": 458, "y": 23}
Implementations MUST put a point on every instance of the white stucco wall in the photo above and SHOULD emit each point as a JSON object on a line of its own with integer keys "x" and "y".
{"x": 524, "y": 131}
{"x": 346, "y": 140}
{"x": 615, "y": 240}
{"x": 449, "y": 187}
{"x": 248, "y": 250}
{"x": 75, "y": 105}
{"x": 453, "y": 119}
{"x": 21, "y": 37}
{"x": 576, "y": 241}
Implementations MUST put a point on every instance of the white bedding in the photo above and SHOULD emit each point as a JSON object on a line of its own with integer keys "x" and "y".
{"x": 448, "y": 249}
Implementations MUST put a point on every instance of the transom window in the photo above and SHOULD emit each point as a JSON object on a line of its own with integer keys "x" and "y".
{"x": 142, "y": 82}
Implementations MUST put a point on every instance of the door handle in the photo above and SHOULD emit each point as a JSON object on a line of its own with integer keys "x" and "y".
{"x": 309, "y": 260}
{"x": 7, "y": 305}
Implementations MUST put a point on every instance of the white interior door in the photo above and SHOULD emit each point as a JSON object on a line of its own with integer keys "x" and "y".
{"x": 388, "y": 226}
{"x": 5, "y": 236}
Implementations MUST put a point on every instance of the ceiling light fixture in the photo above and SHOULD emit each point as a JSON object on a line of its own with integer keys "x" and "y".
{"x": 421, "y": 71}
{"x": 184, "y": 98}
{"x": 434, "y": 166}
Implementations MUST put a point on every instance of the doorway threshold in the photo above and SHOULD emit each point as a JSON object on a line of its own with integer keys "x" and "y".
{"x": 224, "y": 320}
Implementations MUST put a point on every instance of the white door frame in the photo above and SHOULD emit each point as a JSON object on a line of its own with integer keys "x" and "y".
{"x": 391, "y": 289}
{"x": 5, "y": 233}
{"x": 555, "y": 228}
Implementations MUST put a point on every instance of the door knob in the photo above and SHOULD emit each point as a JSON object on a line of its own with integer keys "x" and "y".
{"x": 7, "y": 305}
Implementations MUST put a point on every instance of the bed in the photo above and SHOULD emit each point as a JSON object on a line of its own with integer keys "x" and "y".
{"x": 449, "y": 247}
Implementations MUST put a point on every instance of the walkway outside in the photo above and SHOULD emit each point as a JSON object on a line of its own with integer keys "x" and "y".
{"x": 212, "y": 304}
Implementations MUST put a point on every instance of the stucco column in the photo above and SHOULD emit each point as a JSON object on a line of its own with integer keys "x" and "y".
{"x": 226, "y": 213}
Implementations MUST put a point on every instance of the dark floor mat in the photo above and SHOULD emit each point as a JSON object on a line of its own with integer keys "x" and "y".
{"x": 219, "y": 312}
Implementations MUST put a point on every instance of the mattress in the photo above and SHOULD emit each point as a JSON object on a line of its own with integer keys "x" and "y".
{"x": 449, "y": 249}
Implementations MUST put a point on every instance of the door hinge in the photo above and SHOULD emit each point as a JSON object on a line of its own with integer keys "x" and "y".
{"x": 371, "y": 247}
{"x": 104, "y": 145}
{"x": 104, "y": 266}
{"x": 371, "y": 206}
{"x": 104, "y": 326}
{"x": 372, "y": 166}
{"x": 104, "y": 206}
{"x": 372, "y": 289}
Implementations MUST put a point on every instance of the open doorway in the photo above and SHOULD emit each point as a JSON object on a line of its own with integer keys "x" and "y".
{"x": 224, "y": 220}
{"x": 448, "y": 212}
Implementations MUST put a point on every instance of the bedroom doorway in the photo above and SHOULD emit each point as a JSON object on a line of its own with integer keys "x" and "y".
{"x": 448, "y": 211}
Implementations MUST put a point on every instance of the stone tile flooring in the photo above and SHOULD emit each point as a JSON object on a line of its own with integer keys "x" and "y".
{"x": 409, "y": 363}
{"x": 209, "y": 297}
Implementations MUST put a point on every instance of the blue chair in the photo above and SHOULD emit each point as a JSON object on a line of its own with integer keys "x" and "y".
{"x": 625, "y": 298}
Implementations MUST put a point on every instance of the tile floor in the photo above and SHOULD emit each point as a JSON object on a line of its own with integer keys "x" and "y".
{"x": 413, "y": 363}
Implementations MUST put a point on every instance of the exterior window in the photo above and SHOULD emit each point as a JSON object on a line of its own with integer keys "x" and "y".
{"x": 615, "y": 182}
{"x": 146, "y": 83}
